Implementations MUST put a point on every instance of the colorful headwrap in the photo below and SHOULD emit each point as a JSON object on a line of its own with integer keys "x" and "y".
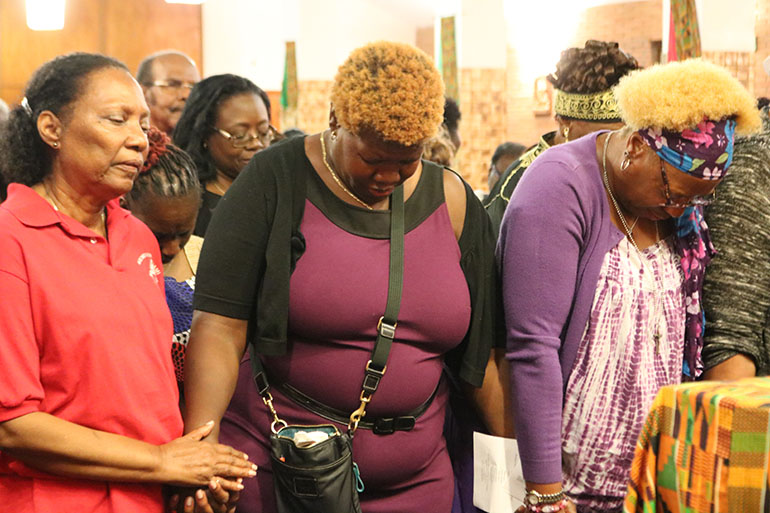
{"x": 695, "y": 249}
{"x": 704, "y": 152}
{"x": 595, "y": 107}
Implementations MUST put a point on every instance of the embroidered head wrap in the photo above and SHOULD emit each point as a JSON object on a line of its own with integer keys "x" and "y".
{"x": 597, "y": 107}
{"x": 704, "y": 152}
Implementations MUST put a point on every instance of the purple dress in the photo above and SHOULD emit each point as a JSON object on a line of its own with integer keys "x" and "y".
{"x": 337, "y": 293}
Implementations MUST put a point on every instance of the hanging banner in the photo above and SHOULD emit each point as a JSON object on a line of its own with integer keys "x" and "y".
{"x": 290, "y": 90}
{"x": 684, "y": 31}
{"x": 449, "y": 57}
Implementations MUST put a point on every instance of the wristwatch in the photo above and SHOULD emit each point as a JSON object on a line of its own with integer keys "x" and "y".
{"x": 535, "y": 498}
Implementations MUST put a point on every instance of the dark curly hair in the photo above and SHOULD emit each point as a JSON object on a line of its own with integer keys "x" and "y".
{"x": 200, "y": 113}
{"x": 452, "y": 114}
{"x": 168, "y": 172}
{"x": 54, "y": 87}
{"x": 597, "y": 67}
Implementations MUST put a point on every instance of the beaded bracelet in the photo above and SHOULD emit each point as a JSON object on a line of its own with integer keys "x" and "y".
{"x": 548, "y": 508}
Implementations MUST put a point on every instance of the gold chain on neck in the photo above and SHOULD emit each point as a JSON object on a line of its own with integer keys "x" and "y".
{"x": 658, "y": 294}
{"x": 337, "y": 179}
{"x": 55, "y": 204}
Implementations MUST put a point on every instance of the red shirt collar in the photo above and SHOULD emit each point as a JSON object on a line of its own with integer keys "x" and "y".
{"x": 34, "y": 211}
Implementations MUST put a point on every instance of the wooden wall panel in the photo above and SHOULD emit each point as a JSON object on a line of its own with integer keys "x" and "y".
{"x": 137, "y": 28}
{"x": 23, "y": 50}
{"x": 127, "y": 30}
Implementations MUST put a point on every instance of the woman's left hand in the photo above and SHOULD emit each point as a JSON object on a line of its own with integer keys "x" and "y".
{"x": 214, "y": 499}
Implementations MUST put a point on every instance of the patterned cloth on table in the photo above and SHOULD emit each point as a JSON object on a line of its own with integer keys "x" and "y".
{"x": 704, "y": 448}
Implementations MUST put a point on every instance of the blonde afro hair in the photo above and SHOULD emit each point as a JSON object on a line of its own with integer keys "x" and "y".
{"x": 391, "y": 88}
{"x": 678, "y": 95}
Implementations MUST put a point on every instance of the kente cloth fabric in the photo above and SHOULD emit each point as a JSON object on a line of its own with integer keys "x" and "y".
{"x": 704, "y": 152}
{"x": 704, "y": 448}
{"x": 600, "y": 106}
{"x": 620, "y": 367}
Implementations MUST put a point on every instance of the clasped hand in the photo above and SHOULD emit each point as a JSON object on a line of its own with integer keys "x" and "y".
{"x": 189, "y": 462}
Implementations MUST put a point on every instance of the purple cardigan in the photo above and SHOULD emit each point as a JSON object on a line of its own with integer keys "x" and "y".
{"x": 553, "y": 239}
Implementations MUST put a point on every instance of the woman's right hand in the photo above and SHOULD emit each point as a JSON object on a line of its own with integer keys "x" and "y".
{"x": 187, "y": 461}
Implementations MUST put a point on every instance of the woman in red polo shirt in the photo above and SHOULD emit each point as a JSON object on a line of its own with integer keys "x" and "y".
{"x": 88, "y": 399}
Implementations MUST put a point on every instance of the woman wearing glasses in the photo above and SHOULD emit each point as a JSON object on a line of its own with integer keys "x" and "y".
{"x": 226, "y": 121}
{"x": 602, "y": 293}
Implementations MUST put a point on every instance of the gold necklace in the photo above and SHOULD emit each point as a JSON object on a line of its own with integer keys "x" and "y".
{"x": 54, "y": 203}
{"x": 658, "y": 296}
{"x": 337, "y": 179}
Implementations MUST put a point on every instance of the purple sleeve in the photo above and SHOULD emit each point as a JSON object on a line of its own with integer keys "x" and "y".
{"x": 538, "y": 252}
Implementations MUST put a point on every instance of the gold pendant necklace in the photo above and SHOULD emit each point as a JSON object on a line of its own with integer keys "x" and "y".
{"x": 337, "y": 179}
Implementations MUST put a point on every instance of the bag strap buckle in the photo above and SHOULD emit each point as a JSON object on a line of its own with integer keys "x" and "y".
{"x": 360, "y": 413}
{"x": 386, "y": 329}
{"x": 274, "y": 426}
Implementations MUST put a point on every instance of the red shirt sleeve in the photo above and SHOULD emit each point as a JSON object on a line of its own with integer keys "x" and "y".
{"x": 20, "y": 388}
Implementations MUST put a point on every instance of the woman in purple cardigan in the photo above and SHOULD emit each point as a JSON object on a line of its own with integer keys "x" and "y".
{"x": 602, "y": 251}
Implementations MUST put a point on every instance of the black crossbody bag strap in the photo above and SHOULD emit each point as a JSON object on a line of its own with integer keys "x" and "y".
{"x": 386, "y": 327}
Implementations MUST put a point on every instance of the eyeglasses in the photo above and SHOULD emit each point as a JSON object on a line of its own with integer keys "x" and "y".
{"x": 243, "y": 140}
{"x": 695, "y": 201}
{"x": 172, "y": 84}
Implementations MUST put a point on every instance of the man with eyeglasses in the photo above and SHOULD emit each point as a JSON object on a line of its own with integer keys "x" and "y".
{"x": 166, "y": 78}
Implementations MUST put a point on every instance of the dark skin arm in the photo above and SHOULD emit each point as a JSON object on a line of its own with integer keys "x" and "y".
{"x": 216, "y": 346}
{"x": 492, "y": 399}
{"x": 213, "y": 355}
{"x": 60, "y": 447}
{"x": 735, "y": 367}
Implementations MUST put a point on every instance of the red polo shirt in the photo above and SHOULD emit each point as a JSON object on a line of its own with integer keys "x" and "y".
{"x": 85, "y": 335}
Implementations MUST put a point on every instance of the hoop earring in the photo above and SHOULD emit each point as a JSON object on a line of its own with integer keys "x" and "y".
{"x": 566, "y": 133}
{"x": 625, "y": 162}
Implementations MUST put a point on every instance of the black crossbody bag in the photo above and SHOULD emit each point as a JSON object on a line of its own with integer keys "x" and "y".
{"x": 313, "y": 467}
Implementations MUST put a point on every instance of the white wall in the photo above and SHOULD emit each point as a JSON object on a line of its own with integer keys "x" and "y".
{"x": 482, "y": 40}
{"x": 236, "y": 39}
{"x": 727, "y": 26}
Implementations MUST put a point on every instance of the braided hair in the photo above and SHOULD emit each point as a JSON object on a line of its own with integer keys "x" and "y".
{"x": 196, "y": 124}
{"x": 168, "y": 172}
{"x": 597, "y": 67}
{"x": 55, "y": 86}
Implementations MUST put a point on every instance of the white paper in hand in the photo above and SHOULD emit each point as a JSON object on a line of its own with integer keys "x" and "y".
{"x": 498, "y": 482}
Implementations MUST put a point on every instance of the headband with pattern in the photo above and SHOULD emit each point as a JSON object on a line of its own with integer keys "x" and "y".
{"x": 704, "y": 152}
{"x": 600, "y": 106}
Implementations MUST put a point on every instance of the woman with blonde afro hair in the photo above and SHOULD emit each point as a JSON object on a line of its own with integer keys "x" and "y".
{"x": 610, "y": 310}
{"x": 295, "y": 269}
